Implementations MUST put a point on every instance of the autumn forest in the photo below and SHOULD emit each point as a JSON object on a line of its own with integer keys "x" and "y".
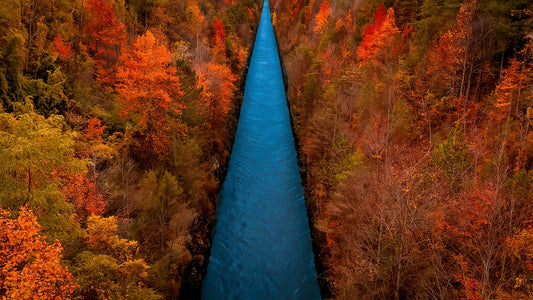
{"x": 411, "y": 120}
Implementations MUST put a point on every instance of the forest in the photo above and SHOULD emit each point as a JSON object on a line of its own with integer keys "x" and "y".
{"x": 412, "y": 120}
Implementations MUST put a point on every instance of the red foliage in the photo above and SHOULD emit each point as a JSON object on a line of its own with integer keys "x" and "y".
{"x": 94, "y": 129}
{"x": 62, "y": 48}
{"x": 321, "y": 18}
{"x": 81, "y": 191}
{"x": 217, "y": 85}
{"x": 408, "y": 30}
{"x": 220, "y": 33}
{"x": 369, "y": 33}
{"x": 447, "y": 57}
{"x": 219, "y": 48}
{"x": 104, "y": 37}
{"x": 379, "y": 36}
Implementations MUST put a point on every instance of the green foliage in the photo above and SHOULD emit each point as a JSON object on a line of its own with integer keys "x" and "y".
{"x": 452, "y": 158}
{"x": 520, "y": 186}
{"x": 435, "y": 17}
{"x": 512, "y": 21}
{"x": 31, "y": 148}
{"x": 11, "y": 60}
{"x": 401, "y": 122}
{"x": 311, "y": 89}
{"x": 162, "y": 196}
{"x": 48, "y": 97}
{"x": 348, "y": 163}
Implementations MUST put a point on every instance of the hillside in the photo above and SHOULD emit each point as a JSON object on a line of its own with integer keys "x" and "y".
{"x": 412, "y": 119}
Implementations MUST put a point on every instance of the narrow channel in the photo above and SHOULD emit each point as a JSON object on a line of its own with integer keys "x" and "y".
{"x": 262, "y": 245}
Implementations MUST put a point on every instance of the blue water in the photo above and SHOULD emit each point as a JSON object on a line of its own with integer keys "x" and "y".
{"x": 262, "y": 246}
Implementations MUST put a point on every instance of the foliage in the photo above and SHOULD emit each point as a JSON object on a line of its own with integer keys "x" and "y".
{"x": 30, "y": 265}
{"x": 415, "y": 141}
{"x": 109, "y": 269}
{"x": 96, "y": 93}
{"x": 451, "y": 156}
{"x": 149, "y": 90}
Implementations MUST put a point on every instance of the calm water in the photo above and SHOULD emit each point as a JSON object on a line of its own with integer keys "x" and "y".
{"x": 262, "y": 246}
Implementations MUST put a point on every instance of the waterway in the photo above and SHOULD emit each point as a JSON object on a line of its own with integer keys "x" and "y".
{"x": 262, "y": 247}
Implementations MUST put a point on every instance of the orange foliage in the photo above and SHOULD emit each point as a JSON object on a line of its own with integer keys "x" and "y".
{"x": 149, "y": 90}
{"x": 448, "y": 54}
{"x": 81, "y": 191}
{"x": 513, "y": 79}
{"x": 295, "y": 7}
{"x": 345, "y": 23}
{"x": 219, "y": 48}
{"x": 380, "y": 36}
{"x": 29, "y": 266}
{"x": 94, "y": 129}
{"x": 321, "y": 18}
{"x": 217, "y": 85}
{"x": 62, "y": 48}
{"x": 512, "y": 104}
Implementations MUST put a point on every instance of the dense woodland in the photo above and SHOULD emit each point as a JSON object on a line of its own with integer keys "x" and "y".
{"x": 412, "y": 119}
{"x": 116, "y": 119}
{"x": 414, "y": 124}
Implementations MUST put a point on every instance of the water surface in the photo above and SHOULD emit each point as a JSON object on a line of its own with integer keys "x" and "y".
{"x": 262, "y": 247}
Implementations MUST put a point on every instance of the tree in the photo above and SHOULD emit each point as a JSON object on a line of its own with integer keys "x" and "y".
{"x": 219, "y": 48}
{"x": 110, "y": 269}
{"x": 217, "y": 84}
{"x": 62, "y": 49}
{"x": 30, "y": 266}
{"x": 149, "y": 92}
{"x": 94, "y": 129}
{"x": 104, "y": 37}
{"x": 196, "y": 21}
{"x": 379, "y": 37}
{"x": 81, "y": 191}
{"x": 512, "y": 112}
{"x": 163, "y": 223}
{"x": 321, "y": 18}
{"x": 32, "y": 147}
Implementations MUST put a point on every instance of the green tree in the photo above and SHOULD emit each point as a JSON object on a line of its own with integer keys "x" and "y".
{"x": 31, "y": 148}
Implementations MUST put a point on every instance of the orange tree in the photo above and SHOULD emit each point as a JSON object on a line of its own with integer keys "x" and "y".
{"x": 29, "y": 265}
{"x": 149, "y": 90}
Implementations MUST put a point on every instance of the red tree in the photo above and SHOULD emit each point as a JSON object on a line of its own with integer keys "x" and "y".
{"x": 217, "y": 85}
{"x": 381, "y": 40}
{"x": 94, "y": 129}
{"x": 62, "y": 49}
{"x": 321, "y": 18}
{"x": 104, "y": 37}
{"x": 369, "y": 33}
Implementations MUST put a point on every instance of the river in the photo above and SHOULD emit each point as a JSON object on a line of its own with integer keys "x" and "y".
{"x": 262, "y": 247}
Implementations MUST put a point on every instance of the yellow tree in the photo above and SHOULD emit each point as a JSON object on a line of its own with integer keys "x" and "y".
{"x": 109, "y": 270}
